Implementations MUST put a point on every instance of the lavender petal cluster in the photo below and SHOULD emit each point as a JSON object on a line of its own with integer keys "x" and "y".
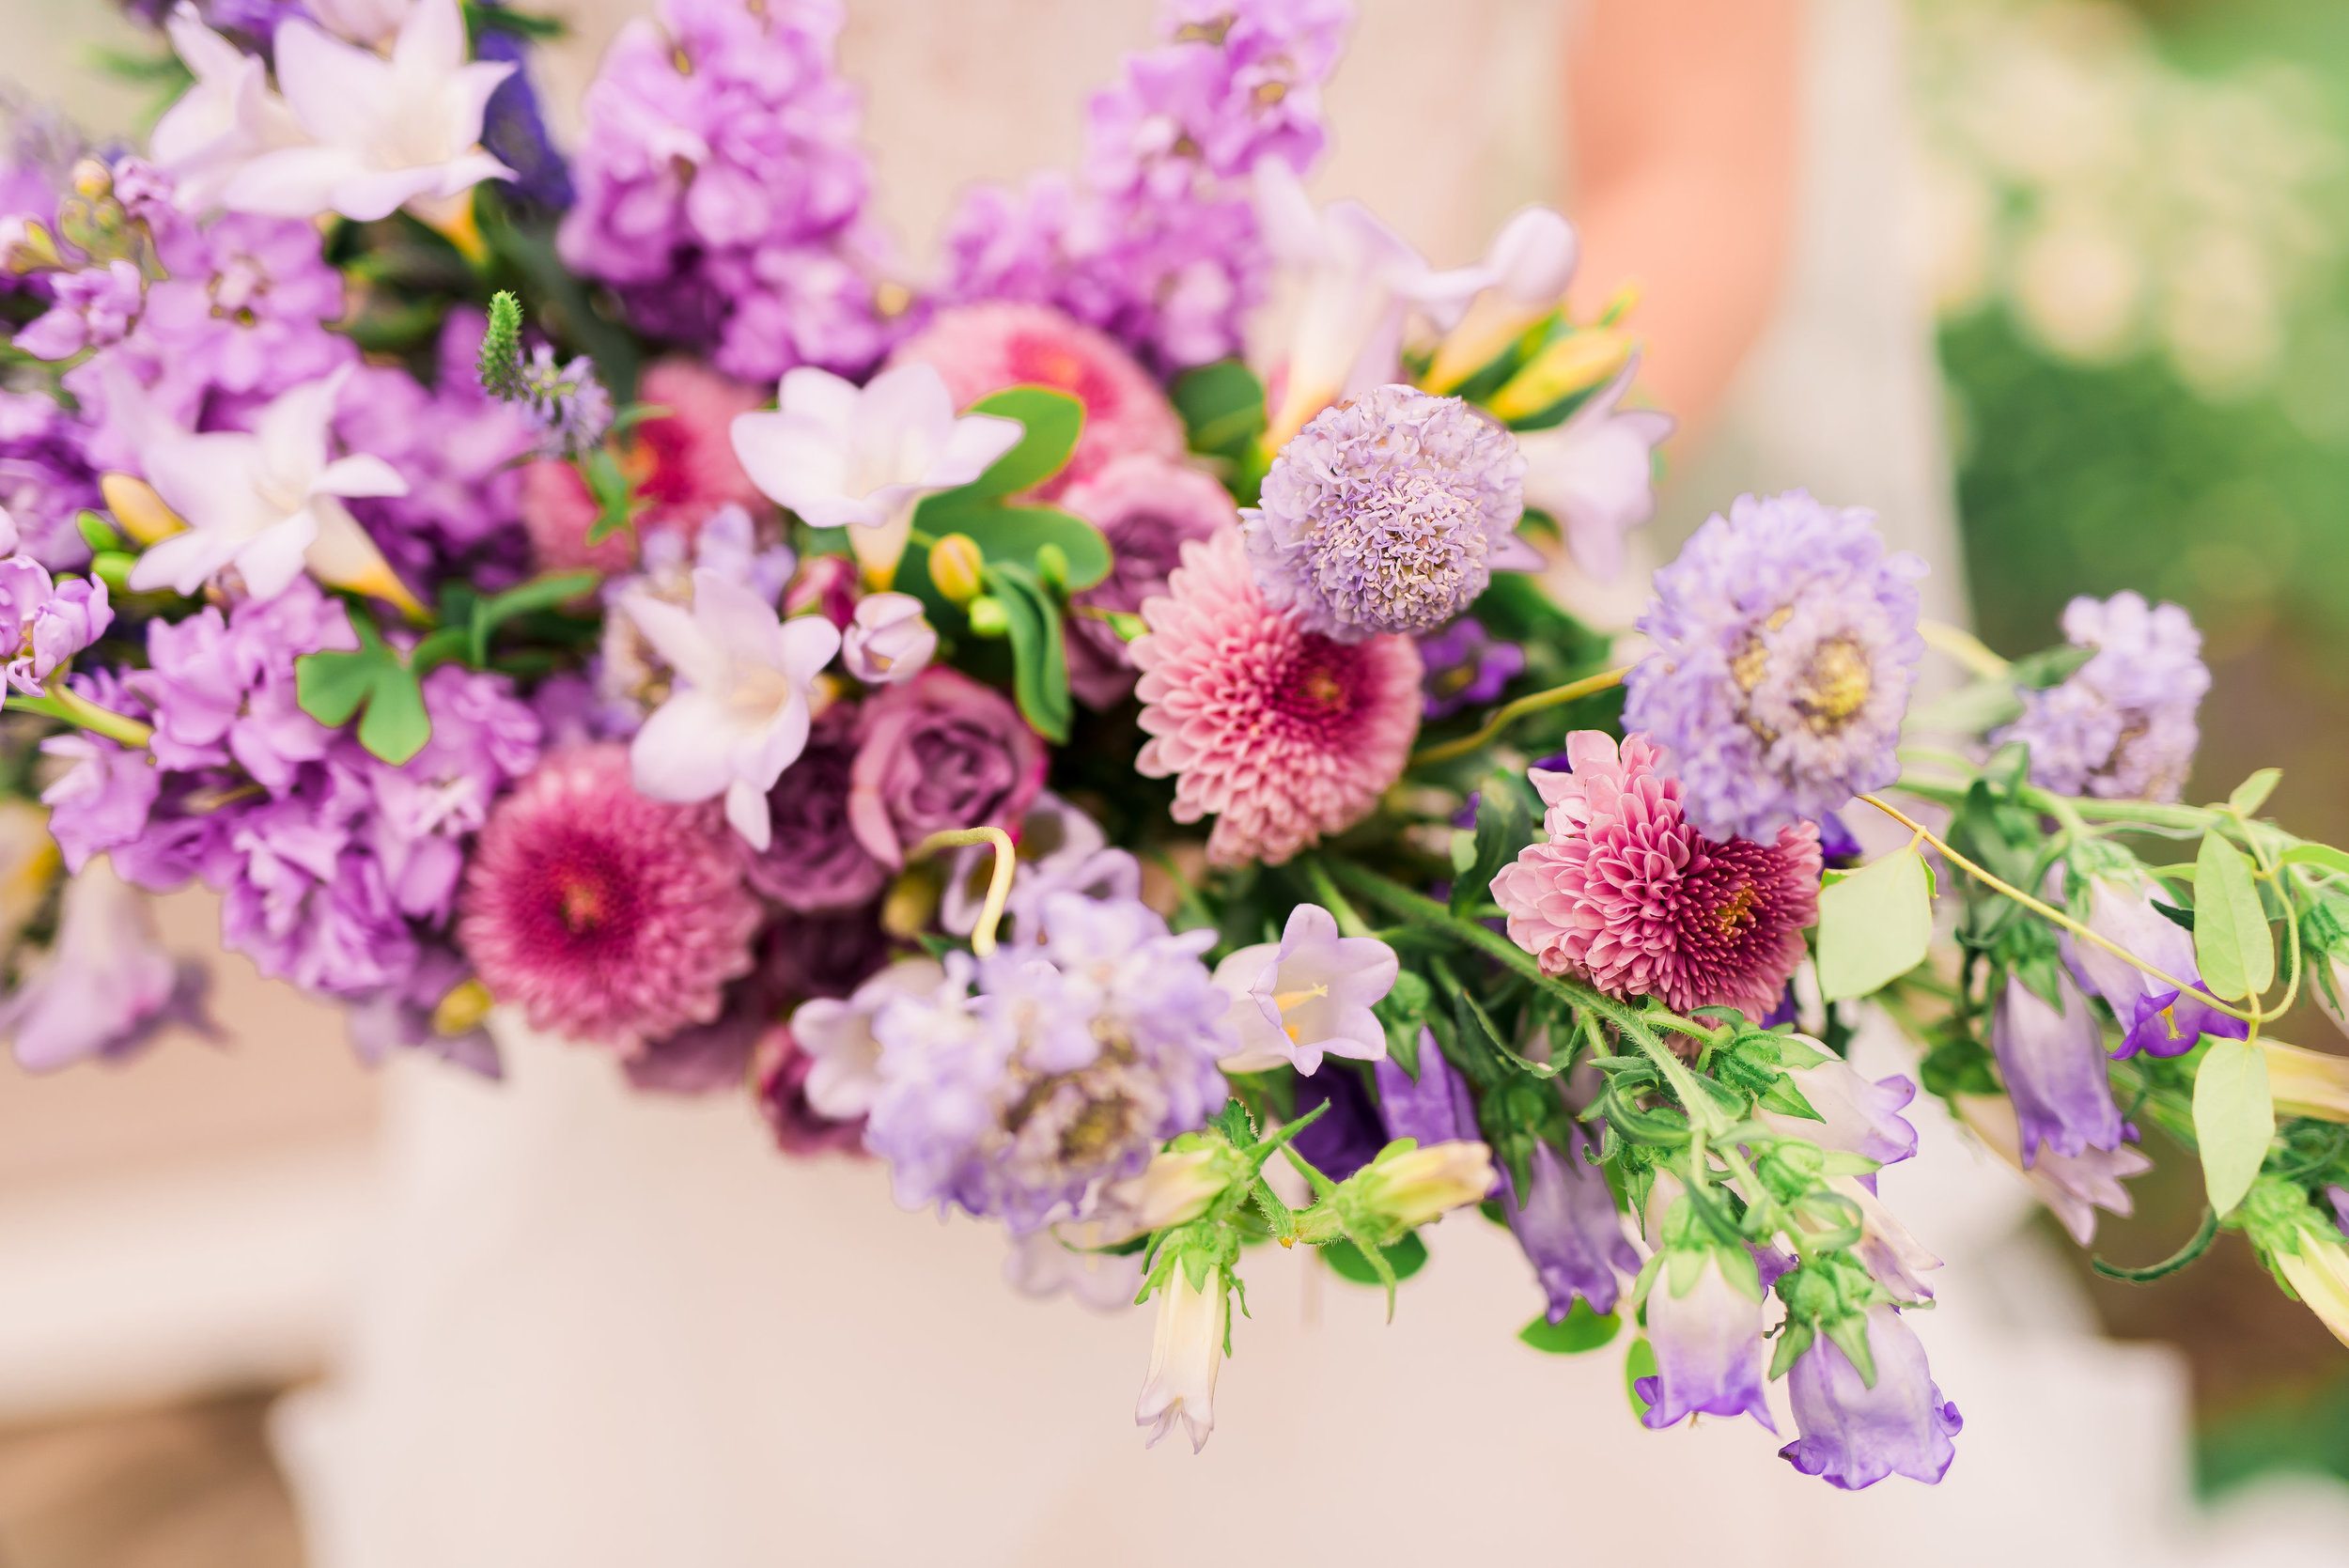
{"x": 43, "y": 622}
{"x": 1786, "y": 645}
{"x": 1039, "y": 1074}
{"x": 1157, "y": 242}
{"x": 721, "y": 190}
{"x": 1387, "y": 513}
{"x": 2121, "y": 726}
{"x": 567, "y": 403}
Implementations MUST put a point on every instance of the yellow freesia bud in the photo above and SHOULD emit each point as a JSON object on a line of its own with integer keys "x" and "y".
{"x": 1409, "y": 1188}
{"x": 1575, "y": 362}
{"x": 2319, "y": 1272}
{"x": 143, "y": 514}
{"x": 956, "y": 567}
{"x": 462, "y": 1010}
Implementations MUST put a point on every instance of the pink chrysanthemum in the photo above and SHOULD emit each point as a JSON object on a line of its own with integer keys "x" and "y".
{"x": 1283, "y": 733}
{"x": 986, "y": 348}
{"x": 604, "y": 915}
{"x": 1630, "y": 896}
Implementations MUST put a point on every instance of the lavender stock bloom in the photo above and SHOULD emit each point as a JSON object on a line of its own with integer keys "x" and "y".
{"x": 1569, "y": 1229}
{"x": 45, "y": 477}
{"x": 2052, "y": 1059}
{"x": 1466, "y": 667}
{"x": 2154, "y": 1018}
{"x": 1854, "y": 1435}
{"x": 1785, "y": 647}
{"x": 46, "y": 622}
{"x": 2121, "y": 725}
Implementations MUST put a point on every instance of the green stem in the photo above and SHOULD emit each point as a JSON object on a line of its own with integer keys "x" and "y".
{"x": 1350, "y": 923}
{"x": 1509, "y": 713}
{"x": 63, "y": 703}
{"x": 2196, "y": 1246}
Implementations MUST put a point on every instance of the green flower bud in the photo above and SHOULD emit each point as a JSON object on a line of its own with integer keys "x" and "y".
{"x": 989, "y": 618}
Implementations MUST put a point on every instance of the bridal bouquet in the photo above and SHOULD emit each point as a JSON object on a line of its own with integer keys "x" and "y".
{"x": 1084, "y": 729}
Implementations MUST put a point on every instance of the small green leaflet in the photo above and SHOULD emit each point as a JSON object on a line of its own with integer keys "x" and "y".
{"x": 1039, "y": 659}
{"x": 2234, "y": 1119}
{"x": 1502, "y": 828}
{"x": 1582, "y": 1330}
{"x": 1875, "y": 925}
{"x": 332, "y": 687}
{"x": 1406, "y": 1257}
{"x": 2252, "y": 793}
{"x": 2317, "y": 854}
{"x": 2232, "y": 942}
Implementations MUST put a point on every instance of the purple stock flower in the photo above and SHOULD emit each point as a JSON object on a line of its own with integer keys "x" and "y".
{"x": 92, "y": 309}
{"x": 813, "y": 859}
{"x": 1707, "y": 1332}
{"x": 1570, "y": 1230}
{"x": 1009, "y": 1099}
{"x": 2121, "y": 725}
{"x": 2154, "y": 1018}
{"x": 1147, "y": 507}
{"x": 426, "y": 808}
{"x": 222, "y": 688}
{"x": 1434, "y": 1107}
{"x": 45, "y": 478}
{"x": 1854, "y": 1435}
{"x": 2052, "y": 1057}
{"x": 47, "y": 623}
{"x": 107, "y": 987}
{"x": 104, "y": 801}
{"x": 1466, "y": 668}
{"x": 1785, "y": 647}
{"x": 1387, "y": 513}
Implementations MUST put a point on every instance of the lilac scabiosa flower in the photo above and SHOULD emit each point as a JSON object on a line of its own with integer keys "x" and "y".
{"x": 843, "y": 1076}
{"x": 107, "y": 987}
{"x": 985, "y": 348}
{"x": 603, "y": 915}
{"x": 813, "y": 859}
{"x": 2121, "y": 725}
{"x": 2074, "y": 1187}
{"x": 1309, "y": 993}
{"x": 1570, "y": 1230}
{"x": 1628, "y": 893}
{"x": 1854, "y": 1435}
{"x": 1283, "y": 734}
{"x": 1039, "y": 1074}
{"x": 2156, "y": 1018}
{"x": 940, "y": 751}
{"x": 1387, "y": 513}
{"x": 1148, "y": 507}
{"x": 2052, "y": 1057}
{"x": 1466, "y": 668}
{"x": 1785, "y": 647}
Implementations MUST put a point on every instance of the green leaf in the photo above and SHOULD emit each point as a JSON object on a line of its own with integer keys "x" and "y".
{"x": 539, "y": 593}
{"x": 1402, "y": 1012}
{"x": 395, "y": 726}
{"x": 1039, "y": 659}
{"x": 2323, "y": 854}
{"x": 1875, "y": 925}
{"x": 2234, "y": 1117}
{"x": 1502, "y": 829}
{"x": 1582, "y": 1330}
{"x": 2232, "y": 942}
{"x": 1223, "y": 407}
{"x": 1050, "y": 424}
{"x": 1406, "y": 1257}
{"x": 333, "y": 685}
{"x": 2049, "y": 667}
{"x": 1637, "y": 1363}
{"x": 1019, "y": 534}
{"x": 2252, "y": 793}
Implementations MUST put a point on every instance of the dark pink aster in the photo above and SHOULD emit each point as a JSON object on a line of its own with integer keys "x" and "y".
{"x": 603, "y": 915}
{"x": 1629, "y": 895}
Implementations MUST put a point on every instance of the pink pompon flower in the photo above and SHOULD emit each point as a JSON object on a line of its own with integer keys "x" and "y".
{"x": 603, "y": 915}
{"x": 1629, "y": 896}
{"x": 981, "y": 348}
{"x": 1283, "y": 733}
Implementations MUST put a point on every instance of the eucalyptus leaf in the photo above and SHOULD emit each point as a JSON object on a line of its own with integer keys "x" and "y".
{"x": 1875, "y": 925}
{"x": 1039, "y": 658}
{"x": 1050, "y": 422}
{"x": 2234, "y": 1116}
{"x": 2232, "y": 942}
{"x": 1582, "y": 1330}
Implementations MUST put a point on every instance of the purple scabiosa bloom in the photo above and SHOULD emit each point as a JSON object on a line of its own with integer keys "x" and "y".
{"x": 2154, "y": 1018}
{"x": 1039, "y": 1074}
{"x": 1706, "y": 1330}
{"x": 1307, "y": 994}
{"x": 1387, "y": 513}
{"x": 1854, "y": 1435}
{"x": 1857, "y": 1115}
{"x": 2074, "y": 1187}
{"x": 813, "y": 859}
{"x": 1148, "y": 507}
{"x": 2121, "y": 725}
{"x": 1785, "y": 648}
{"x": 107, "y": 986}
{"x": 1570, "y": 1230}
{"x": 2052, "y": 1057}
{"x": 1434, "y": 1107}
{"x": 1349, "y": 1136}
{"x": 1466, "y": 667}
{"x": 720, "y": 174}
{"x": 222, "y": 687}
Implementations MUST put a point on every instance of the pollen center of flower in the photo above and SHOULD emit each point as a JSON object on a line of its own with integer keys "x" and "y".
{"x": 1836, "y": 685}
{"x": 583, "y": 905}
{"x": 1735, "y": 915}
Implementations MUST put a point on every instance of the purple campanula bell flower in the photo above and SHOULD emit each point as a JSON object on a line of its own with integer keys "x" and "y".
{"x": 1435, "y": 1107}
{"x": 1707, "y": 1332}
{"x": 1854, "y": 1435}
{"x": 1857, "y": 1115}
{"x": 2052, "y": 1060}
{"x": 2156, "y": 1018}
{"x": 1570, "y": 1230}
{"x": 1348, "y": 1137}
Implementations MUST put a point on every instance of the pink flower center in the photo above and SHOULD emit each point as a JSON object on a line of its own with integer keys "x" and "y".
{"x": 586, "y": 905}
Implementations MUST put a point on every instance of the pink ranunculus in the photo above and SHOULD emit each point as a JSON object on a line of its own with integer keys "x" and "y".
{"x": 940, "y": 751}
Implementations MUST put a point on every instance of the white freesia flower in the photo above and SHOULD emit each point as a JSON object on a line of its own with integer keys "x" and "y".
{"x": 1531, "y": 261}
{"x": 225, "y": 120}
{"x": 362, "y": 22}
{"x": 844, "y": 1059}
{"x": 887, "y": 640}
{"x": 1595, "y": 474}
{"x": 862, "y": 458}
{"x": 382, "y": 134}
{"x": 740, "y": 714}
{"x": 1186, "y": 1353}
{"x": 267, "y": 503}
{"x": 1360, "y": 278}
{"x": 1306, "y": 995}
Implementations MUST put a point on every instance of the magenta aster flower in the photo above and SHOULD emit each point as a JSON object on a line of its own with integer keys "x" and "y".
{"x": 604, "y": 915}
{"x": 1628, "y": 894}
{"x": 1284, "y": 734}
{"x": 985, "y": 348}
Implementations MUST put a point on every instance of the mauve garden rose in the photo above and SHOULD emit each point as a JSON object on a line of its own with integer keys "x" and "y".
{"x": 940, "y": 751}
{"x": 1148, "y": 507}
{"x": 815, "y": 859}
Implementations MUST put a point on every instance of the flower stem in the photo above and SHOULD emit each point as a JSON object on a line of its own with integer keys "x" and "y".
{"x": 1511, "y": 712}
{"x": 66, "y": 704}
{"x": 1963, "y": 647}
{"x": 999, "y": 885}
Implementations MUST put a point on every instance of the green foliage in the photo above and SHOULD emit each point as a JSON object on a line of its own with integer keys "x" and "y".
{"x": 1875, "y": 925}
{"x": 1039, "y": 658}
{"x": 1503, "y": 829}
{"x": 1223, "y": 407}
{"x": 2232, "y": 942}
{"x": 2234, "y": 1119}
{"x": 500, "y": 363}
{"x": 332, "y": 687}
{"x": 1582, "y": 1330}
{"x": 1346, "y": 1260}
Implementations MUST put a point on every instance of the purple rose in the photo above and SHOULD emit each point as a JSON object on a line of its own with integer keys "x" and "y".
{"x": 1148, "y": 509}
{"x": 940, "y": 751}
{"x": 813, "y": 859}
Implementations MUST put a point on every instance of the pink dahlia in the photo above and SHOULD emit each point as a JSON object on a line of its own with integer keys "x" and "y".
{"x": 1630, "y": 896}
{"x": 986, "y": 348}
{"x": 1281, "y": 732}
{"x": 604, "y": 915}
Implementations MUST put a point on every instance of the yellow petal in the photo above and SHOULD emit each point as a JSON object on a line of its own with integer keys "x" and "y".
{"x": 2307, "y": 1083}
{"x": 139, "y": 509}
